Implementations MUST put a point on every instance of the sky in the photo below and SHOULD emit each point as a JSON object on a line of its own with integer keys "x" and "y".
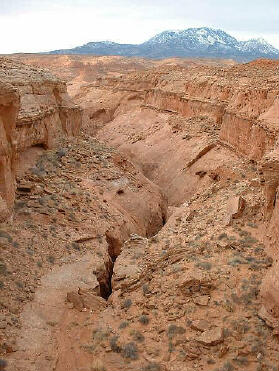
{"x": 43, "y": 25}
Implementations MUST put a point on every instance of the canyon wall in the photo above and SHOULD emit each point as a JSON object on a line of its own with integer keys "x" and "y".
{"x": 9, "y": 106}
{"x": 35, "y": 111}
{"x": 242, "y": 100}
{"x": 244, "y": 105}
{"x": 235, "y": 113}
{"x": 270, "y": 286}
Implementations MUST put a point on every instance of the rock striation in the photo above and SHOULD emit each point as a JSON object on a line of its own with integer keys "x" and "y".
{"x": 35, "y": 112}
{"x": 9, "y": 107}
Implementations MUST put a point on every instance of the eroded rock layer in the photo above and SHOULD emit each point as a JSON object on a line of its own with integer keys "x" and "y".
{"x": 35, "y": 111}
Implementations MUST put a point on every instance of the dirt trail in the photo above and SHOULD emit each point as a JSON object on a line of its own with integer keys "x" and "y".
{"x": 43, "y": 318}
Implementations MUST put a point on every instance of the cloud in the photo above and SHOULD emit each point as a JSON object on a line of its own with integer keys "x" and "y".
{"x": 38, "y": 25}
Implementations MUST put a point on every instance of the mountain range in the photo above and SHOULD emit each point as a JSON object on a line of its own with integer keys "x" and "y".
{"x": 201, "y": 42}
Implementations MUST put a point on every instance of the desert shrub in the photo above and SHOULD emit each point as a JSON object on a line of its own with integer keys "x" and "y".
{"x": 3, "y": 365}
{"x": 123, "y": 324}
{"x": 6, "y": 235}
{"x": 75, "y": 246}
{"x": 240, "y": 325}
{"x": 88, "y": 348}
{"x": 51, "y": 259}
{"x": 153, "y": 366}
{"x": 236, "y": 261}
{"x": 137, "y": 336}
{"x": 145, "y": 289}
{"x": 222, "y": 236}
{"x": 99, "y": 334}
{"x": 174, "y": 330}
{"x": 171, "y": 347}
{"x": 19, "y": 284}
{"x": 97, "y": 365}
{"x": 115, "y": 347}
{"x": 242, "y": 361}
{"x": 144, "y": 319}
{"x": 3, "y": 269}
{"x": 127, "y": 303}
{"x": 227, "y": 366}
{"x": 130, "y": 351}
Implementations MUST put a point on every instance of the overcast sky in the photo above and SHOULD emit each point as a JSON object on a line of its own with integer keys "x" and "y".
{"x": 42, "y": 25}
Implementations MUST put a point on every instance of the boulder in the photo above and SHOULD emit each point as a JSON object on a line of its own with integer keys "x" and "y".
{"x": 211, "y": 337}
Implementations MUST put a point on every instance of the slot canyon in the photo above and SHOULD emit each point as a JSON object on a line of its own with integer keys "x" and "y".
{"x": 139, "y": 214}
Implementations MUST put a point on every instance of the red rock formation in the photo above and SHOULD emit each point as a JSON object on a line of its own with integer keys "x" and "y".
{"x": 35, "y": 110}
{"x": 270, "y": 285}
{"x": 9, "y": 106}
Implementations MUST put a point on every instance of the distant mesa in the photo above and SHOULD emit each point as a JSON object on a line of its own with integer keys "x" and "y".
{"x": 201, "y": 42}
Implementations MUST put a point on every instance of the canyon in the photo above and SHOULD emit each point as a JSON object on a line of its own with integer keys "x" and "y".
{"x": 139, "y": 214}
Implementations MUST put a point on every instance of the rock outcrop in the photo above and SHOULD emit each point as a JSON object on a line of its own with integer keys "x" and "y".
{"x": 270, "y": 286}
{"x": 9, "y": 107}
{"x": 35, "y": 111}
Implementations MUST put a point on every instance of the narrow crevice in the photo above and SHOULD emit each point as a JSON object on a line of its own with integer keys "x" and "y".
{"x": 114, "y": 248}
{"x": 164, "y": 220}
{"x": 105, "y": 285}
{"x": 114, "y": 245}
{"x": 104, "y": 277}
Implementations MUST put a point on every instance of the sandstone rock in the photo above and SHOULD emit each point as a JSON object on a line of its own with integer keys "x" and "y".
{"x": 211, "y": 337}
{"x": 76, "y": 300}
{"x": 84, "y": 239}
{"x": 91, "y": 300}
{"x": 235, "y": 208}
{"x": 270, "y": 295}
{"x": 194, "y": 282}
{"x": 4, "y": 210}
{"x": 35, "y": 110}
{"x": 202, "y": 300}
{"x": 25, "y": 187}
{"x": 200, "y": 325}
{"x": 268, "y": 317}
{"x": 9, "y": 107}
{"x": 85, "y": 299}
{"x": 192, "y": 351}
{"x": 270, "y": 284}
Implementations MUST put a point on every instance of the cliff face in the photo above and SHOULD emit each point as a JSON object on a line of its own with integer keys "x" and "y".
{"x": 270, "y": 286}
{"x": 9, "y": 106}
{"x": 202, "y": 121}
{"x": 243, "y": 100}
{"x": 35, "y": 111}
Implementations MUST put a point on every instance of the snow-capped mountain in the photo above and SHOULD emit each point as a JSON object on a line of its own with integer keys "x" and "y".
{"x": 192, "y": 42}
{"x": 194, "y": 36}
{"x": 257, "y": 45}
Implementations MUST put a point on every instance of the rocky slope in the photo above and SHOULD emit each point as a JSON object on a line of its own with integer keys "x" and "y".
{"x": 35, "y": 111}
{"x": 192, "y": 42}
{"x": 154, "y": 245}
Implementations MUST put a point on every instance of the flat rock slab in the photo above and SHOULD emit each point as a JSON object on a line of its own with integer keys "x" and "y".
{"x": 211, "y": 337}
